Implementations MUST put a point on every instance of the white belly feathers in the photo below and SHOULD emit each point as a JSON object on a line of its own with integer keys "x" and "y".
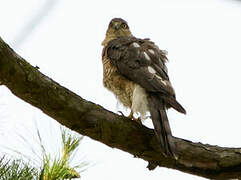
{"x": 139, "y": 102}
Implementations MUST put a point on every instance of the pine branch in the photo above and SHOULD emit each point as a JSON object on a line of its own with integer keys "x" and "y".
{"x": 90, "y": 119}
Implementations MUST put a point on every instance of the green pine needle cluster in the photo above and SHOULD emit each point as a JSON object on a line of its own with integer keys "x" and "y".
{"x": 16, "y": 170}
{"x": 59, "y": 168}
{"x": 52, "y": 168}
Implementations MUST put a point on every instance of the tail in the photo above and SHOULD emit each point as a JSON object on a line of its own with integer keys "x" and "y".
{"x": 161, "y": 125}
{"x": 171, "y": 101}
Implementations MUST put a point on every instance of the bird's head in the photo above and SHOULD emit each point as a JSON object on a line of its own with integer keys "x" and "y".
{"x": 117, "y": 28}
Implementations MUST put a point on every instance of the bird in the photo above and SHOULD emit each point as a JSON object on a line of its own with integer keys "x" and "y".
{"x": 134, "y": 70}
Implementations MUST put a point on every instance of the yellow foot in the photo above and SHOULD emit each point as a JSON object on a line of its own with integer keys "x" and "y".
{"x": 131, "y": 116}
{"x": 138, "y": 120}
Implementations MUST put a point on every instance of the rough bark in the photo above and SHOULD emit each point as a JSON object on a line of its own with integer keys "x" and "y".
{"x": 90, "y": 119}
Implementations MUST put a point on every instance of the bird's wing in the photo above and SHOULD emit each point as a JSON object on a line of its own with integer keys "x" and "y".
{"x": 142, "y": 62}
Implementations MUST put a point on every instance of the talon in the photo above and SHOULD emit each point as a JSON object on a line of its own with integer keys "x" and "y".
{"x": 120, "y": 113}
{"x": 138, "y": 120}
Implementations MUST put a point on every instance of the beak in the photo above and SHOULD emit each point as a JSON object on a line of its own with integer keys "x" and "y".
{"x": 117, "y": 26}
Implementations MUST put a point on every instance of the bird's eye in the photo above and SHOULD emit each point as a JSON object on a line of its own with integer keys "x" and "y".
{"x": 124, "y": 26}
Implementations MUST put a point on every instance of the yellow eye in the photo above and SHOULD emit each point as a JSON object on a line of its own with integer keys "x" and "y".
{"x": 124, "y": 26}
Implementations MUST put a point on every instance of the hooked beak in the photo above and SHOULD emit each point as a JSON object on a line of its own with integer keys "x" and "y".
{"x": 117, "y": 26}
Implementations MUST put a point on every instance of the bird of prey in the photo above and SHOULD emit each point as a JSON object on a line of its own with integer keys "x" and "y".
{"x": 134, "y": 70}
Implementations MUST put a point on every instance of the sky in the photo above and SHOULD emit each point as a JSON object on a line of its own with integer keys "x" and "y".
{"x": 203, "y": 41}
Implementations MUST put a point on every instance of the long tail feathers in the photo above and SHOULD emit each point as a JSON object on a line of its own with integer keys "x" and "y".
{"x": 162, "y": 127}
{"x": 170, "y": 145}
{"x": 173, "y": 103}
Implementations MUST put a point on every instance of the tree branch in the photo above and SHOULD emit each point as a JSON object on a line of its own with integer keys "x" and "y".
{"x": 87, "y": 118}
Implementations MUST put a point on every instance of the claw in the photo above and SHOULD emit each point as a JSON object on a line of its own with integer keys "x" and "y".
{"x": 138, "y": 120}
{"x": 121, "y": 113}
{"x": 131, "y": 116}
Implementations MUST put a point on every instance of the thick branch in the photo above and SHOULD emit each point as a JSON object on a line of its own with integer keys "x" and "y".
{"x": 87, "y": 118}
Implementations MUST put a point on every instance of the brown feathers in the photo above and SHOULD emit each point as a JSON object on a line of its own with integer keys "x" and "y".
{"x": 130, "y": 65}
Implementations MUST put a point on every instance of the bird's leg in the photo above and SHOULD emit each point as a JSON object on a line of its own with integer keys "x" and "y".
{"x": 131, "y": 116}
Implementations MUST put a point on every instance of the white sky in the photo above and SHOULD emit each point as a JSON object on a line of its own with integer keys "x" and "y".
{"x": 203, "y": 40}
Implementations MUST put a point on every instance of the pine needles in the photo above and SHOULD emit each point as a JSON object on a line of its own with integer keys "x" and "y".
{"x": 52, "y": 168}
